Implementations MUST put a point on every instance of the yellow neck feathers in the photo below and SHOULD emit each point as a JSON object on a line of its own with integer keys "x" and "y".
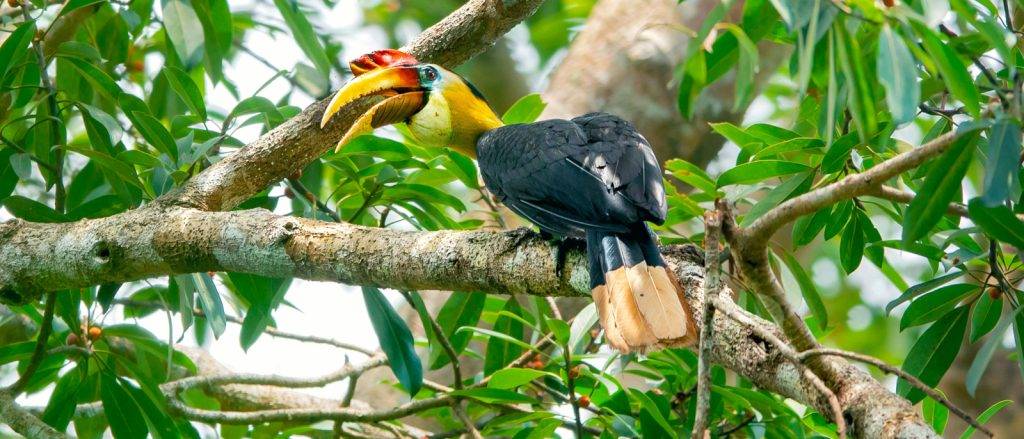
{"x": 454, "y": 117}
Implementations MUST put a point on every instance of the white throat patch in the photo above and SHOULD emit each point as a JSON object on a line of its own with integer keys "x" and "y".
{"x": 432, "y": 125}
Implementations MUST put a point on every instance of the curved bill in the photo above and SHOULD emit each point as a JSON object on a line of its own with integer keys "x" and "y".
{"x": 385, "y": 82}
{"x": 398, "y": 108}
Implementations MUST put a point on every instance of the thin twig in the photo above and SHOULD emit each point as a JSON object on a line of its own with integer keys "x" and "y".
{"x": 269, "y": 330}
{"x": 712, "y": 285}
{"x": 793, "y": 356}
{"x": 446, "y": 344}
{"x": 892, "y": 194}
{"x": 51, "y": 102}
{"x": 300, "y": 189}
{"x": 40, "y": 350}
{"x": 892, "y": 370}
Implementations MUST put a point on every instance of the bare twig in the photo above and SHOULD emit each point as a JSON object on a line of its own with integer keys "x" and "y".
{"x": 794, "y": 357}
{"x": 300, "y": 189}
{"x": 892, "y": 194}
{"x": 712, "y": 285}
{"x": 892, "y": 370}
{"x": 446, "y": 344}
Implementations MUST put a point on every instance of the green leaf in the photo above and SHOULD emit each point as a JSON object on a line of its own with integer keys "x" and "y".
{"x": 304, "y": 34}
{"x": 495, "y": 396}
{"x": 186, "y": 89}
{"x": 525, "y": 110}
{"x": 154, "y": 132}
{"x": 99, "y": 79}
{"x": 898, "y": 74}
{"x": 921, "y": 288}
{"x": 998, "y": 222}
{"x": 460, "y": 310}
{"x": 502, "y": 352}
{"x": 215, "y": 17}
{"x": 209, "y": 298}
{"x": 580, "y": 328}
{"x": 15, "y": 46}
{"x": 851, "y": 246}
{"x": 264, "y": 294}
{"x": 1001, "y": 161}
{"x": 930, "y": 306}
{"x": 395, "y": 340}
{"x": 184, "y": 30}
{"x": 559, "y": 329}
{"x": 125, "y": 417}
{"x": 935, "y": 414}
{"x": 8, "y": 177}
{"x": 807, "y": 227}
{"x": 985, "y": 353}
{"x": 691, "y": 174}
{"x": 514, "y": 377}
{"x": 746, "y": 67}
{"x": 941, "y": 185}
{"x": 61, "y": 407}
{"x": 985, "y": 416}
{"x": 933, "y": 352}
{"x": 954, "y": 74}
{"x": 860, "y": 97}
{"x": 788, "y": 189}
{"x": 754, "y": 172}
{"x": 985, "y": 315}
{"x": 807, "y": 289}
{"x": 32, "y": 210}
{"x": 795, "y": 13}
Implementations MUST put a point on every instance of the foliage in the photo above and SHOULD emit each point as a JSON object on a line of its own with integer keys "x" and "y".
{"x": 120, "y": 113}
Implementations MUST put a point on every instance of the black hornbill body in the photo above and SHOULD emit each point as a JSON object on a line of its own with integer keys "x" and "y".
{"x": 592, "y": 176}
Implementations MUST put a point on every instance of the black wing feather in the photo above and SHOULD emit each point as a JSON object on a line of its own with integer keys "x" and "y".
{"x": 593, "y": 172}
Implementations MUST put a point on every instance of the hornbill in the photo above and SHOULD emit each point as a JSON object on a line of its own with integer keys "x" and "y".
{"x": 593, "y": 175}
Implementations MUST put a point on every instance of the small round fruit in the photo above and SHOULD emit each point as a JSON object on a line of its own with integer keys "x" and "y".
{"x": 584, "y": 401}
{"x": 574, "y": 372}
{"x": 72, "y": 340}
{"x": 94, "y": 333}
{"x": 995, "y": 293}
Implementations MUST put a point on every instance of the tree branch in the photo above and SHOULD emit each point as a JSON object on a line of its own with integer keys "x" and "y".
{"x": 22, "y": 422}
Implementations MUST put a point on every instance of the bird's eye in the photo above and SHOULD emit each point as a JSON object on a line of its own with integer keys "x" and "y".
{"x": 429, "y": 74}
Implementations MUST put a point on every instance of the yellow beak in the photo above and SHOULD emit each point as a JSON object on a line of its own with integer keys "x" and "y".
{"x": 403, "y": 98}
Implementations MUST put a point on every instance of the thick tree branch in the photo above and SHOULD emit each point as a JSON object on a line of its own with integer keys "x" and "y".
{"x": 151, "y": 242}
{"x": 22, "y": 422}
{"x": 855, "y": 185}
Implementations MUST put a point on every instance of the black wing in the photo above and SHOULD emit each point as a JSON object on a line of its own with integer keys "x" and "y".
{"x": 593, "y": 172}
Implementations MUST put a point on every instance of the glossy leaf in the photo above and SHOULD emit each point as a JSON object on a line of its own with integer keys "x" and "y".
{"x": 502, "y": 352}
{"x": 932, "y": 305}
{"x": 184, "y": 30}
{"x": 941, "y": 185}
{"x": 186, "y": 89}
{"x": 851, "y": 246}
{"x": 304, "y": 34}
{"x": 985, "y": 315}
{"x": 898, "y": 74}
{"x": 754, "y": 172}
{"x": 525, "y": 110}
{"x": 933, "y": 352}
{"x": 125, "y": 417}
{"x": 514, "y": 377}
{"x": 460, "y": 310}
{"x": 15, "y": 46}
{"x": 998, "y": 222}
{"x": 807, "y": 289}
{"x": 1002, "y": 162}
{"x": 922, "y": 288}
{"x": 985, "y": 416}
{"x": 395, "y": 340}
{"x": 953, "y": 71}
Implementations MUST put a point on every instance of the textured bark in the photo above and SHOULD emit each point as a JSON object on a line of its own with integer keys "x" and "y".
{"x": 22, "y": 422}
{"x": 151, "y": 242}
{"x": 624, "y": 62}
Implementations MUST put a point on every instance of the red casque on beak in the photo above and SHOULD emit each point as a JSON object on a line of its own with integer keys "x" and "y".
{"x": 381, "y": 58}
{"x": 389, "y": 73}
